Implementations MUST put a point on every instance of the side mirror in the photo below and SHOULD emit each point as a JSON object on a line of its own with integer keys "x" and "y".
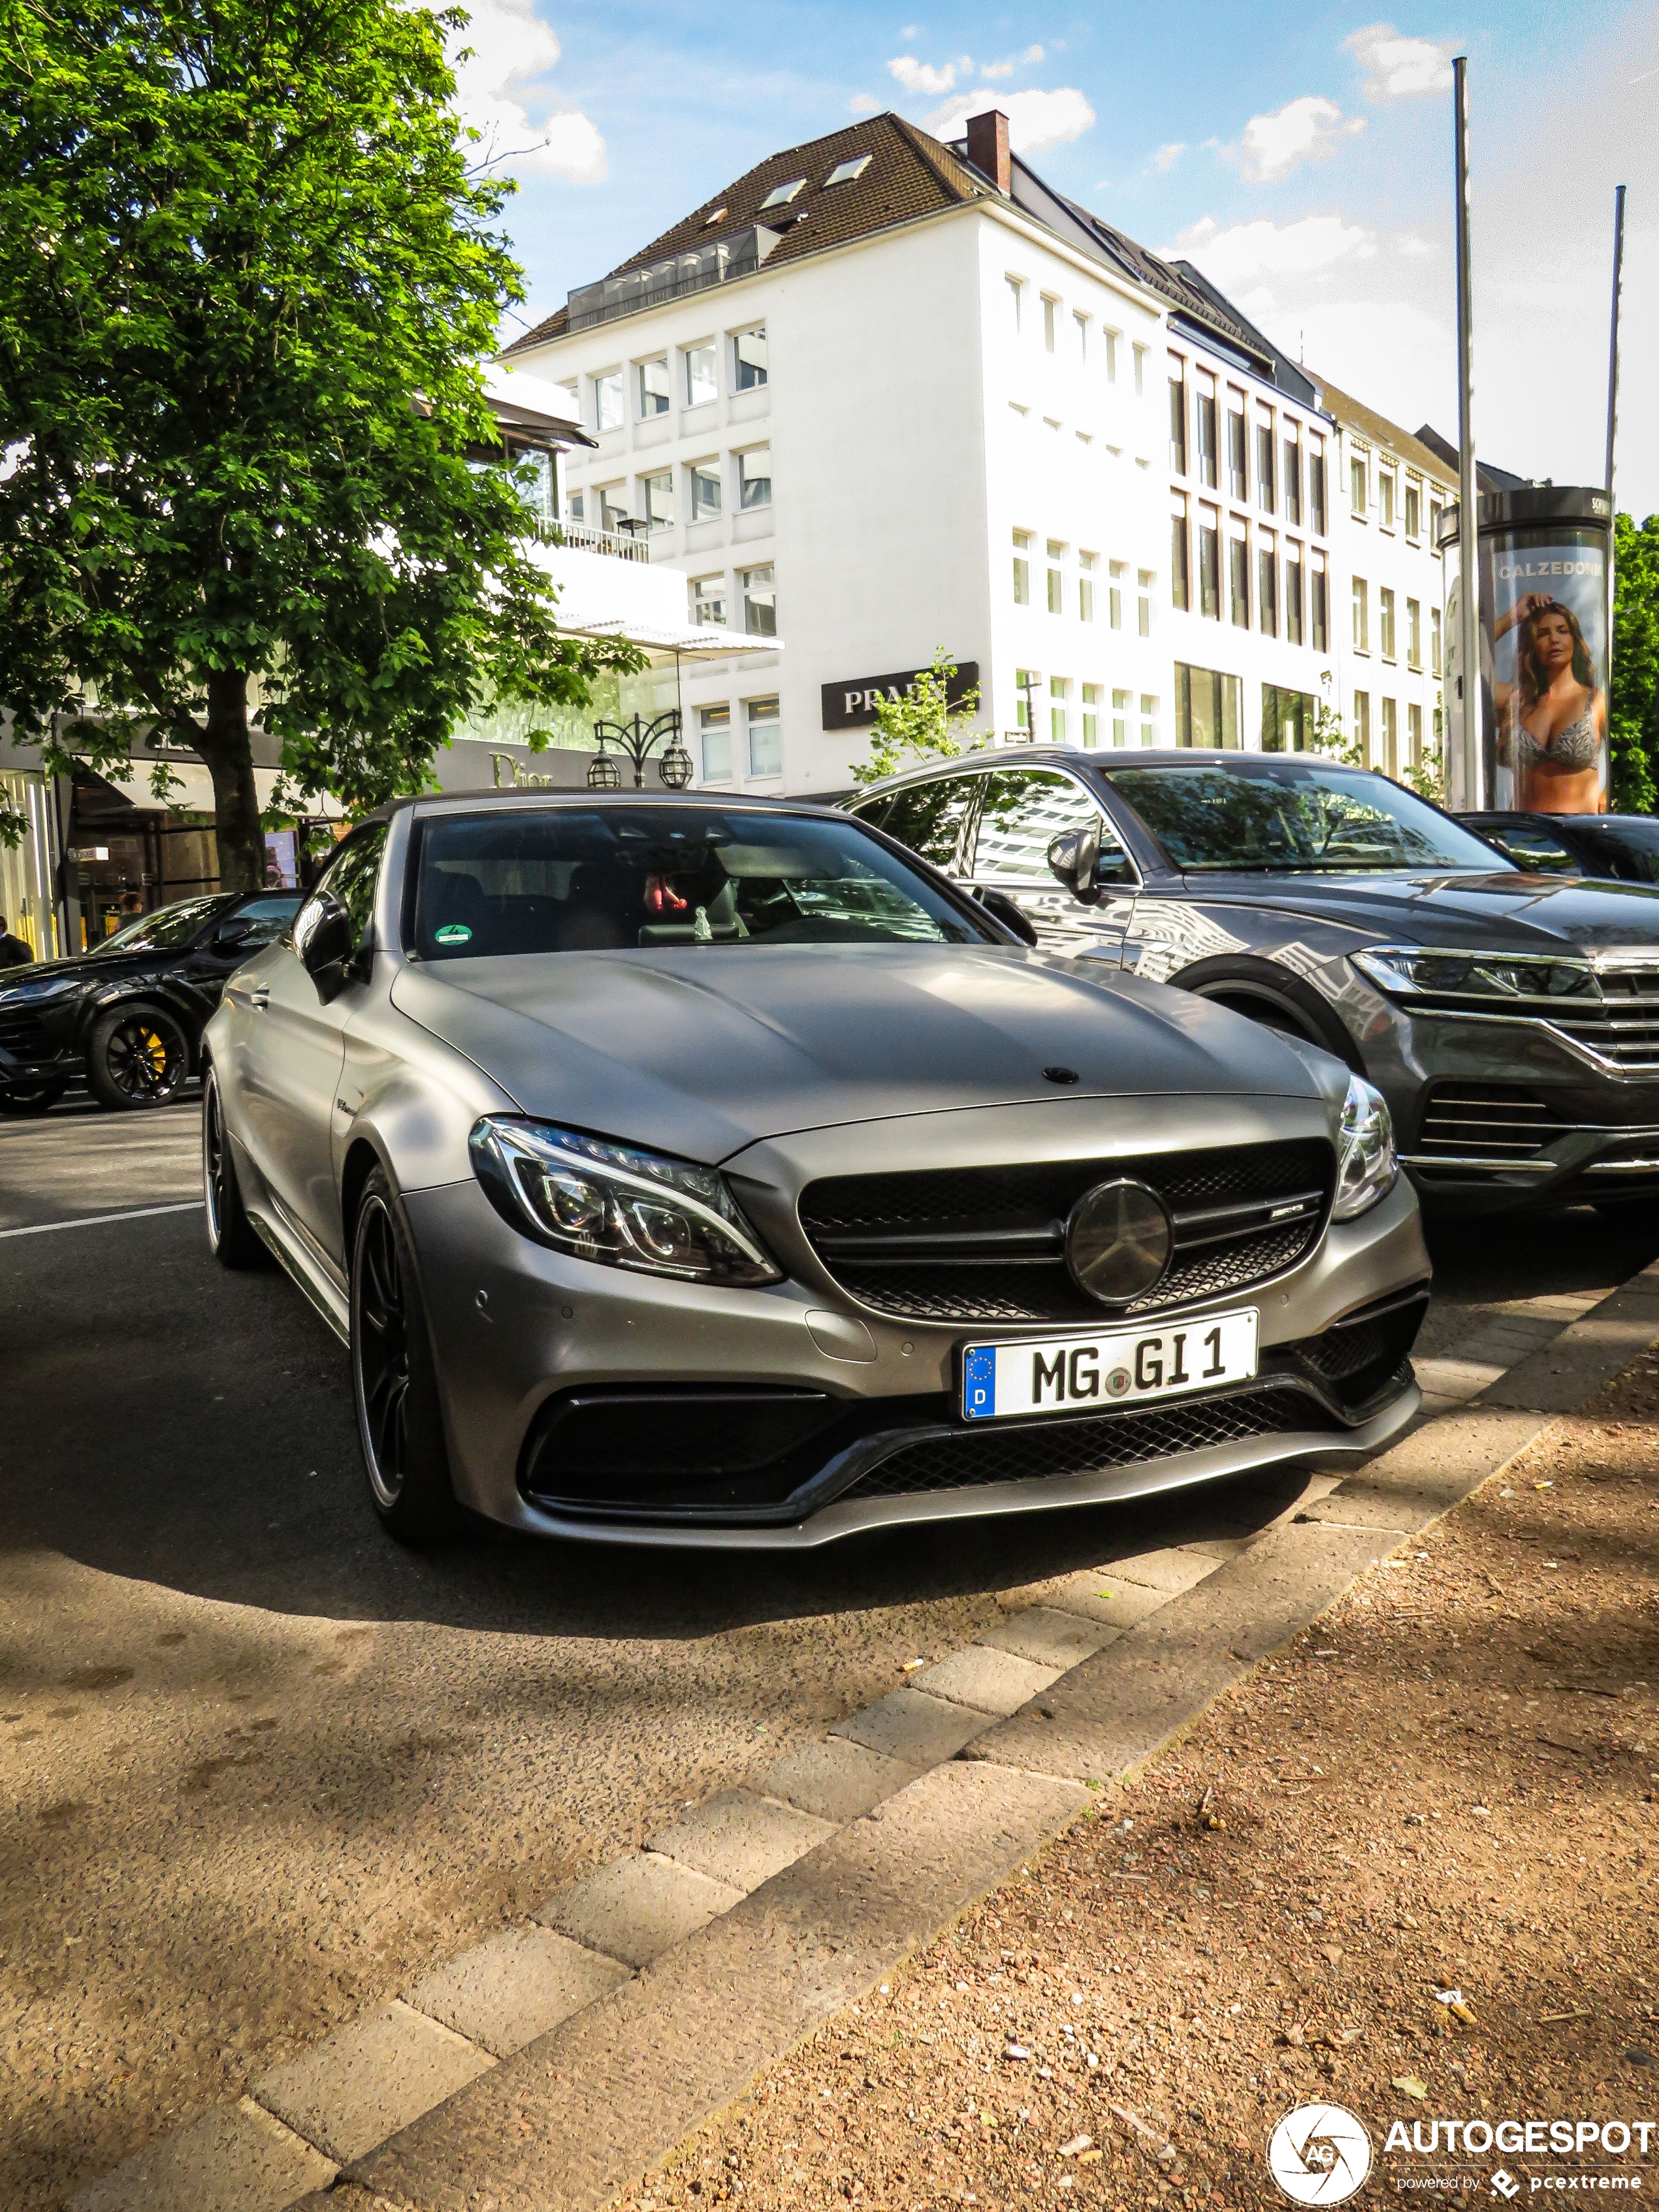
{"x": 1073, "y": 858}
{"x": 325, "y": 940}
{"x": 1001, "y": 908}
{"x": 239, "y": 925}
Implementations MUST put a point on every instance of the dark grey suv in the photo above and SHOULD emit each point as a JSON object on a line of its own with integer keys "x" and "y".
{"x": 1512, "y": 1020}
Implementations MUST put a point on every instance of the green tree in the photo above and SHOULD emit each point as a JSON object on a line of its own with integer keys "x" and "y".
{"x": 1633, "y": 701}
{"x": 245, "y": 283}
{"x": 922, "y": 725}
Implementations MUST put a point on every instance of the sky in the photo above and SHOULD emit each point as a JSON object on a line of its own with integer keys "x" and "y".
{"x": 1301, "y": 156}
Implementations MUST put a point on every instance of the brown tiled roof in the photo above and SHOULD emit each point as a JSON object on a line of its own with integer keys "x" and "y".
{"x": 1355, "y": 415}
{"x": 909, "y": 175}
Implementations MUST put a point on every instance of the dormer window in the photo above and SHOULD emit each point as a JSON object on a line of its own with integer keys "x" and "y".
{"x": 844, "y": 171}
{"x": 781, "y": 194}
{"x": 716, "y": 215}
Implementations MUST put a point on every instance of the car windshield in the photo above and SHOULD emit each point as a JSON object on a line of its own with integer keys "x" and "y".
{"x": 1634, "y": 843}
{"x": 1272, "y": 817}
{"x": 169, "y": 926}
{"x": 599, "y": 878}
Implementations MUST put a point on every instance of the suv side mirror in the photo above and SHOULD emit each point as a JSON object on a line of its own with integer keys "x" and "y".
{"x": 239, "y": 925}
{"x": 1074, "y": 860}
{"x": 325, "y": 940}
{"x": 1001, "y": 908}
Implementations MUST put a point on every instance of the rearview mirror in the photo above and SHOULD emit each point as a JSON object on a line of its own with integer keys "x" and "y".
{"x": 1074, "y": 860}
{"x": 325, "y": 940}
{"x": 233, "y": 931}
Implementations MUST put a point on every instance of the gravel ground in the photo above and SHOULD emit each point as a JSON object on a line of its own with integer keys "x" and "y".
{"x": 1451, "y": 1784}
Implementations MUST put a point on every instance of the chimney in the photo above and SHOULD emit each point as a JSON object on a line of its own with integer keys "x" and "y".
{"x": 988, "y": 148}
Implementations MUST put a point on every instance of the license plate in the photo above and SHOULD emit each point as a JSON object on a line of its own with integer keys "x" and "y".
{"x": 1079, "y": 1374}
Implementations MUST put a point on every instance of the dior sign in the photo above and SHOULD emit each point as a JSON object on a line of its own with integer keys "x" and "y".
{"x": 850, "y": 705}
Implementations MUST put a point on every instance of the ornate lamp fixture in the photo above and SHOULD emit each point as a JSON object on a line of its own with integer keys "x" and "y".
{"x": 636, "y": 738}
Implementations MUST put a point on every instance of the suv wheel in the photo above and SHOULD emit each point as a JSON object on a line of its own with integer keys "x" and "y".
{"x": 232, "y": 1239}
{"x": 394, "y": 1378}
{"x": 137, "y": 1056}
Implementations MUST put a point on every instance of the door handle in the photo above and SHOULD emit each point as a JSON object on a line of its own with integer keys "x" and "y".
{"x": 260, "y": 996}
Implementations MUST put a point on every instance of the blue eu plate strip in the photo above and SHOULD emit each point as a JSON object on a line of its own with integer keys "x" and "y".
{"x": 979, "y": 1383}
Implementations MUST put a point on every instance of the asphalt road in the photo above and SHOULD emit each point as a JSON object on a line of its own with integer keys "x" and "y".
{"x": 259, "y": 1766}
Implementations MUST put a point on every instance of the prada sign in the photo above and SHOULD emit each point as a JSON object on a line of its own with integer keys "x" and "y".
{"x": 849, "y": 706}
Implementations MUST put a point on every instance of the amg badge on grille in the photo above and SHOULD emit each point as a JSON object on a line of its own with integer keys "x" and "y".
{"x": 1118, "y": 1241}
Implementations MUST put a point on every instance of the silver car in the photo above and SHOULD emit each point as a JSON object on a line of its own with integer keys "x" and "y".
{"x": 713, "y": 1171}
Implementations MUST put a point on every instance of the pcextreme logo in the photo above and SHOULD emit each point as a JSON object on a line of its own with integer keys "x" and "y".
{"x": 1319, "y": 2154}
{"x": 1322, "y": 2154}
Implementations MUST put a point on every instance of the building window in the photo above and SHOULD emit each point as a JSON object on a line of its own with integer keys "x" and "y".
{"x": 844, "y": 171}
{"x": 1049, "y": 306}
{"x": 1385, "y": 621}
{"x": 1434, "y": 640}
{"x": 1025, "y": 682}
{"x": 1204, "y": 411}
{"x": 1437, "y": 728}
{"x": 1144, "y": 610}
{"x": 1264, "y": 466}
{"x": 1148, "y": 719}
{"x": 1115, "y": 596}
{"x": 1266, "y": 588}
{"x": 1413, "y": 634}
{"x": 1415, "y": 734}
{"x": 1180, "y": 582}
{"x": 1121, "y": 718}
{"x": 1385, "y": 498}
{"x": 653, "y": 386}
{"x": 1358, "y": 497}
{"x": 1080, "y": 325}
{"x": 750, "y": 358}
{"x": 1287, "y": 720}
{"x": 657, "y": 498}
{"x": 1239, "y": 580}
{"x": 1209, "y": 562}
{"x": 1319, "y": 606}
{"x": 760, "y": 602}
{"x": 608, "y": 400}
{"x": 1316, "y": 486}
{"x": 716, "y": 725}
{"x": 1022, "y": 568}
{"x": 702, "y": 374}
{"x": 765, "y": 738}
{"x": 1435, "y": 511}
{"x": 1110, "y": 338}
{"x": 1206, "y": 707}
{"x": 708, "y": 601}
{"x": 781, "y": 194}
{"x": 705, "y": 491}
{"x": 1293, "y": 485}
{"x": 612, "y": 513}
{"x": 1056, "y": 578}
{"x": 1178, "y": 419}
{"x": 1059, "y": 691}
{"x": 1015, "y": 289}
{"x": 1362, "y": 616}
{"x": 1238, "y": 458}
{"x": 1141, "y": 352}
{"x": 1390, "y": 738}
{"x": 1090, "y": 715}
{"x": 755, "y": 476}
{"x": 1362, "y": 724}
{"x": 1414, "y": 510}
{"x": 1086, "y": 587}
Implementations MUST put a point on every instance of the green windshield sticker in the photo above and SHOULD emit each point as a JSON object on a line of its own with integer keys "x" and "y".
{"x": 453, "y": 932}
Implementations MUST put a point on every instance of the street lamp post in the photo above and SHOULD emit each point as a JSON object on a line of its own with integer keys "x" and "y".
{"x": 636, "y": 738}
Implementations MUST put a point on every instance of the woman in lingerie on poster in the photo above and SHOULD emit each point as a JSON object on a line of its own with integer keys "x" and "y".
{"x": 1551, "y": 720}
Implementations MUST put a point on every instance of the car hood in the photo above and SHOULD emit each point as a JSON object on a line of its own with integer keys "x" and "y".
{"x": 87, "y": 968}
{"x": 1506, "y": 912}
{"x": 702, "y": 1050}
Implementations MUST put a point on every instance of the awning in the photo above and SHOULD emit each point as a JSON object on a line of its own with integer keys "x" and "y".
{"x": 191, "y": 791}
{"x": 696, "y": 642}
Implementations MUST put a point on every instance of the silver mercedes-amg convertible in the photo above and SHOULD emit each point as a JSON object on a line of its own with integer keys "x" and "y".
{"x": 702, "y": 1170}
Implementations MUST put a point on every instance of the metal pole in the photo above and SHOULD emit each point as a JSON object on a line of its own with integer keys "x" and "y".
{"x": 1467, "y": 780}
{"x": 1612, "y": 354}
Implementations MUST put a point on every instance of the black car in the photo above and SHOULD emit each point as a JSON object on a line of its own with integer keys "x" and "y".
{"x": 1510, "y": 1018}
{"x": 1620, "y": 849}
{"x": 129, "y": 1015}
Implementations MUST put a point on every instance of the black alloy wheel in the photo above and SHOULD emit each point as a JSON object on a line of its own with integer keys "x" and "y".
{"x": 32, "y": 1098}
{"x": 138, "y": 1056}
{"x": 393, "y": 1376}
{"x": 232, "y": 1239}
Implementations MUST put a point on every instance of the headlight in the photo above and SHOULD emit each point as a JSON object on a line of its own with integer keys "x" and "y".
{"x": 39, "y": 995}
{"x": 615, "y": 1206}
{"x": 1366, "y": 1165}
{"x": 1410, "y": 971}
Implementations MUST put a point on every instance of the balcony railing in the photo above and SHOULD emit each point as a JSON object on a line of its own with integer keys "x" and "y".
{"x": 636, "y": 289}
{"x": 616, "y": 542}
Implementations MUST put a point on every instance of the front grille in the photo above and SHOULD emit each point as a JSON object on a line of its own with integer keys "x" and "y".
{"x": 23, "y": 1035}
{"x": 1056, "y": 1448}
{"x": 1466, "y": 1121}
{"x": 987, "y": 1244}
{"x": 1620, "y": 1027}
{"x": 1363, "y": 1359}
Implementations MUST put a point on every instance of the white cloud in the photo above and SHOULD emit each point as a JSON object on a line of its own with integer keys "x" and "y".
{"x": 1305, "y": 130}
{"x": 917, "y": 76}
{"x": 996, "y": 68}
{"x": 1032, "y": 55}
{"x": 1248, "y": 253}
{"x": 1397, "y": 68}
{"x": 506, "y": 46}
{"x": 1167, "y": 156}
{"x": 911, "y": 30}
{"x": 1413, "y": 247}
{"x": 1028, "y": 59}
{"x": 1035, "y": 119}
{"x": 862, "y": 104}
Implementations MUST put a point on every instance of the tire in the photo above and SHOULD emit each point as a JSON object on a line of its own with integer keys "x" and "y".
{"x": 394, "y": 1379}
{"x": 31, "y": 1097}
{"x": 137, "y": 1056}
{"x": 232, "y": 1239}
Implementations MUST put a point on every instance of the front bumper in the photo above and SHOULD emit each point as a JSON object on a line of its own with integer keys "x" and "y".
{"x": 524, "y": 1335}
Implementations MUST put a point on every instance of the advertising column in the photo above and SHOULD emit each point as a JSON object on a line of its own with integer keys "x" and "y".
{"x": 1544, "y": 557}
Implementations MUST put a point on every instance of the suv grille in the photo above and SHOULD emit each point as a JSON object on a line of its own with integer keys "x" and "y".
{"x": 1467, "y": 1120}
{"x": 974, "y": 1244}
{"x": 23, "y": 1034}
{"x": 1620, "y": 1027}
{"x": 1056, "y": 1448}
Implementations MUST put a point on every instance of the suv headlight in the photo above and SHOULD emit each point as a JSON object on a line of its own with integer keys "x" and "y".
{"x": 1408, "y": 971}
{"x": 1366, "y": 1168}
{"x": 620, "y": 1207}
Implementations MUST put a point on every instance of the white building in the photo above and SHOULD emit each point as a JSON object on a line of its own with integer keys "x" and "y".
{"x": 890, "y": 395}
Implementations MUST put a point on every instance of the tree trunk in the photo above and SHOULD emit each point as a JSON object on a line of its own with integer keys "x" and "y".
{"x": 225, "y": 747}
